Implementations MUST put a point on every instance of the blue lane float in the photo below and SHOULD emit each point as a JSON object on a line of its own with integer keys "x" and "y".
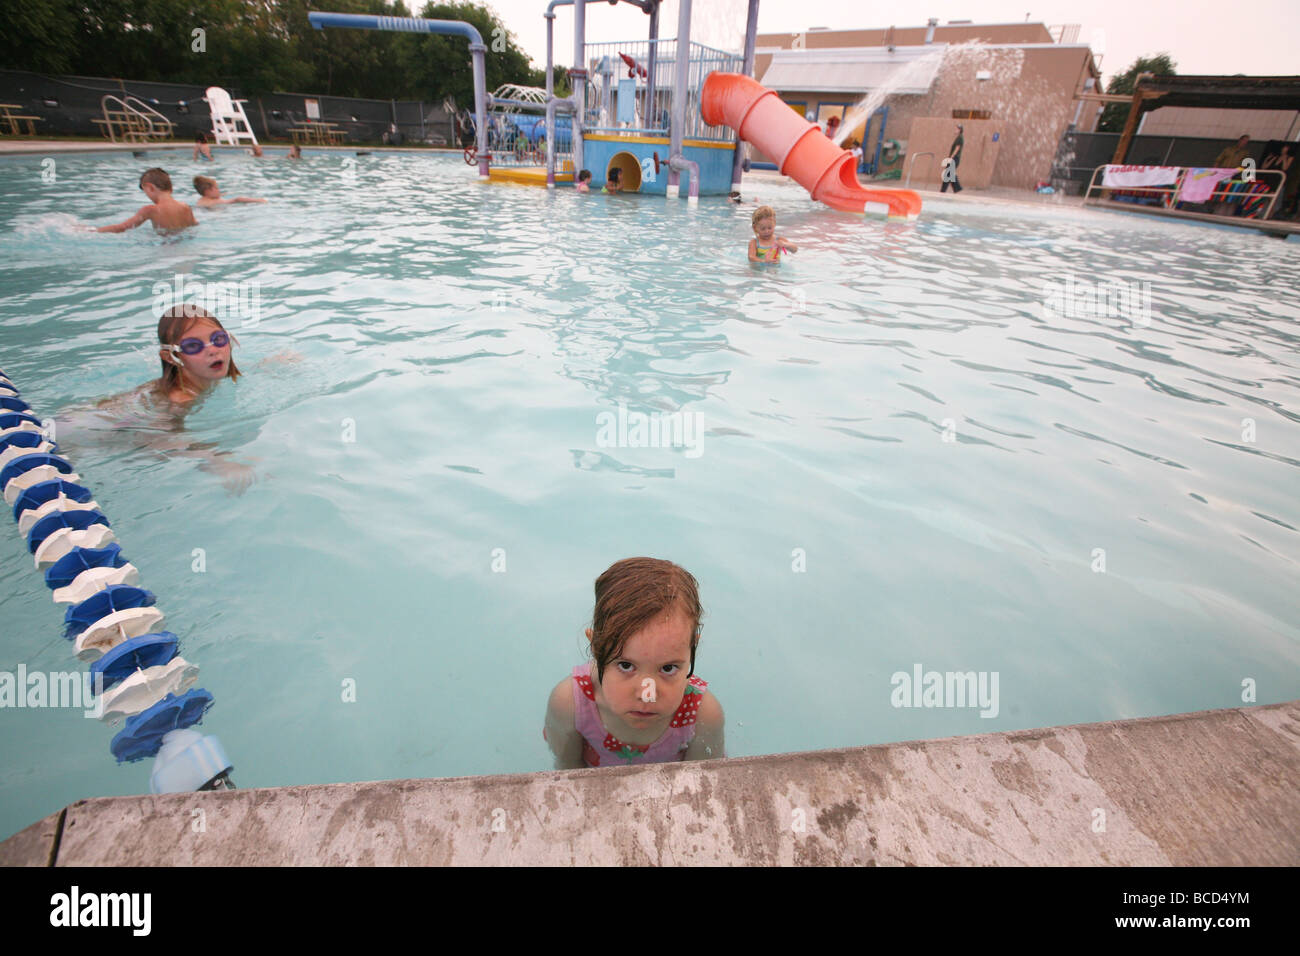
{"x": 113, "y": 623}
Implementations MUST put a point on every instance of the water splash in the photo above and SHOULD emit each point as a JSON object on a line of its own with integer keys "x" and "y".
{"x": 912, "y": 73}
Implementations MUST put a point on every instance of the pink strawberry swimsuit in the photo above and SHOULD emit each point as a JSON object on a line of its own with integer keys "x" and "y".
{"x": 600, "y": 748}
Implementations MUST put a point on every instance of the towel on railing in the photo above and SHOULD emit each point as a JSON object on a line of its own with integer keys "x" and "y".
{"x": 1129, "y": 177}
{"x": 1199, "y": 183}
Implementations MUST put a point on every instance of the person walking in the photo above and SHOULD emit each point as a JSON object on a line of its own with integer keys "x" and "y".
{"x": 954, "y": 154}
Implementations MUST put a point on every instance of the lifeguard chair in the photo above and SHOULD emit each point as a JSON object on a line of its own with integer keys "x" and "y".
{"x": 230, "y": 125}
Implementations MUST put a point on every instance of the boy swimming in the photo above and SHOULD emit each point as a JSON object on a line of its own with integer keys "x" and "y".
{"x": 164, "y": 211}
{"x": 210, "y": 193}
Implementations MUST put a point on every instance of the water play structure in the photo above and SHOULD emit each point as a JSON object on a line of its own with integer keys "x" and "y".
{"x": 655, "y": 109}
{"x": 634, "y": 106}
{"x": 801, "y": 150}
{"x": 477, "y": 48}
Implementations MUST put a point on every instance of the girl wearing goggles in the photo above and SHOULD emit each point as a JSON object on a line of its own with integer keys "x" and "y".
{"x": 195, "y": 353}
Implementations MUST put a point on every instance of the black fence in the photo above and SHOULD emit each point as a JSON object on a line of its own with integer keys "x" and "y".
{"x": 1078, "y": 154}
{"x": 68, "y": 105}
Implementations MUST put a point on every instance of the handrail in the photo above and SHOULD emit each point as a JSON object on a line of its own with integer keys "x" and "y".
{"x": 1177, "y": 187}
{"x": 130, "y": 113}
{"x": 911, "y": 166}
{"x": 149, "y": 111}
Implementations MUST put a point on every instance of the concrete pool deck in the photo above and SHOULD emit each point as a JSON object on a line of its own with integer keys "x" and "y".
{"x": 1213, "y": 788}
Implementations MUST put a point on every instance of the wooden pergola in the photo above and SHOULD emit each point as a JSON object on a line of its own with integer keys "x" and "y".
{"x": 1151, "y": 92}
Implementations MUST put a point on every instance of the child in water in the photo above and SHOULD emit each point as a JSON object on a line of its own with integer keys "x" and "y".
{"x": 195, "y": 355}
{"x": 164, "y": 211}
{"x": 194, "y": 350}
{"x": 210, "y": 193}
{"x": 584, "y": 181}
{"x": 637, "y": 700}
{"x": 201, "y": 147}
{"x": 614, "y": 182}
{"x": 767, "y": 246}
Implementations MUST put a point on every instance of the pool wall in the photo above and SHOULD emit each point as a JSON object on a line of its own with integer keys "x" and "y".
{"x": 1213, "y": 788}
{"x": 631, "y": 153}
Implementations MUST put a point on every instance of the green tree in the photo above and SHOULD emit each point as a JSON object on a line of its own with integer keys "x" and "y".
{"x": 38, "y": 35}
{"x": 260, "y": 46}
{"x": 1114, "y": 116}
{"x": 439, "y": 66}
{"x": 560, "y": 76}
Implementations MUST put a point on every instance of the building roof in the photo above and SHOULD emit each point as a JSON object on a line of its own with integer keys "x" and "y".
{"x": 1222, "y": 92}
{"x": 960, "y": 31}
{"x": 907, "y": 70}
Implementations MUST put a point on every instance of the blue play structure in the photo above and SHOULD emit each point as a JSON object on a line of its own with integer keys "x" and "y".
{"x": 635, "y": 106}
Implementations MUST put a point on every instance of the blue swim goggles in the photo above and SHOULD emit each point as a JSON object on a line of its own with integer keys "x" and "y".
{"x": 194, "y": 346}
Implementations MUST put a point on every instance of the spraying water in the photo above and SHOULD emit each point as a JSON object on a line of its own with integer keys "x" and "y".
{"x": 916, "y": 72}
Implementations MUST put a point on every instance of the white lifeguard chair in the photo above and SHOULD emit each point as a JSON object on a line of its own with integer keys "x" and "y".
{"x": 230, "y": 125}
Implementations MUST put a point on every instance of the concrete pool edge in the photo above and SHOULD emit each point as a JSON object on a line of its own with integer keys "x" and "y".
{"x": 1211, "y": 788}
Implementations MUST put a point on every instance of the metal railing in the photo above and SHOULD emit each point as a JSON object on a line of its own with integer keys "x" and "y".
{"x": 155, "y": 118}
{"x": 606, "y": 66}
{"x": 1232, "y": 190}
{"x": 516, "y": 133}
{"x": 911, "y": 164}
{"x": 133, "y": 119}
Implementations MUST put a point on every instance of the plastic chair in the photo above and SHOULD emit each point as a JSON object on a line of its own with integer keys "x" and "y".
{"x": 230, "y": 125}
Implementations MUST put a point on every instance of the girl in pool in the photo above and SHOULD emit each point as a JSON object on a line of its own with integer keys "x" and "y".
{"x": 195, "y": 354}
{"x": 194, "y": 350}
{"x": 767, "y": 246}
{"x": 637, "y": 700}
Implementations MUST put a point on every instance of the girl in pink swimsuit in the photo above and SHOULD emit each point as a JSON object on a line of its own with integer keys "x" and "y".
{"x": 638, "y": 699}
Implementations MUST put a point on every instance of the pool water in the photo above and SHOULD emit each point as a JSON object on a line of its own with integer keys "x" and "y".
{"x": 903, "y": 459}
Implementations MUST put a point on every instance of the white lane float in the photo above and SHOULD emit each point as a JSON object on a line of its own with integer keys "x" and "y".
{"x": 111, "y": 621}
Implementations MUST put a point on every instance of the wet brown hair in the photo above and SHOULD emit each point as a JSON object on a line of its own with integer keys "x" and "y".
{"x": 632, "y": 593}
{"x": 173, "y": 325}
{"x": 202, "y": 183}
{"x": 158, "y": 177}
{"x": 762, "y": 212}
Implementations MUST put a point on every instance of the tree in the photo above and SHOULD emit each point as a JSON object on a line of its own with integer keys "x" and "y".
{"x": 260, "y": 46}
{"x": 435, "y": 67}
{"x": 39, "y": 34}
{"x": 560, "y": 76}
{"x": 1115, "y": 114}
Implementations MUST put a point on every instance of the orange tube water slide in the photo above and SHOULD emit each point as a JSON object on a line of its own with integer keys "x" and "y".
{"x": 800, "y": 149}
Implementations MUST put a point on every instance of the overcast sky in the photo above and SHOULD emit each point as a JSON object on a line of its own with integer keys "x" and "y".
{"x": 1261, "y": 38}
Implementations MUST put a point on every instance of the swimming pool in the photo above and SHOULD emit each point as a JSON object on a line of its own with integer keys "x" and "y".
{"x": 902, "y": 460}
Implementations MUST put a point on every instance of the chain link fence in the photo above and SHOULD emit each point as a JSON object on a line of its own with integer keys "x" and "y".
{"x": 68, "y": 106}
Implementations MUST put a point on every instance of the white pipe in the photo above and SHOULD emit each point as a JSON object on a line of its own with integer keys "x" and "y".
{"x": 680, "y": 81}
{"x": 678, "y": 163}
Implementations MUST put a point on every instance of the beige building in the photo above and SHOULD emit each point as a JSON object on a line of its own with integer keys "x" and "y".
{"x": 1012, "y": 85}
